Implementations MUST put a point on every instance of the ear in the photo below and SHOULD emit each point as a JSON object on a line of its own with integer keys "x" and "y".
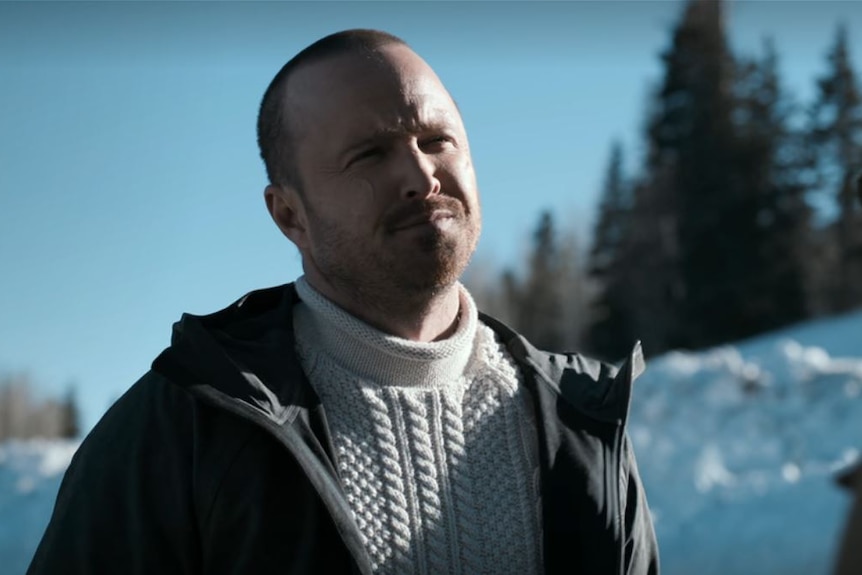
{"x": 287, "y": 211}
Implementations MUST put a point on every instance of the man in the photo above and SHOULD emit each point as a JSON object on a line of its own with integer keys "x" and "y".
{"x": 366, "y": 418}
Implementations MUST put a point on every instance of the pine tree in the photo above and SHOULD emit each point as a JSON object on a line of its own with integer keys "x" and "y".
{"x": 650, "y": 260}
{"x": 772, "y": 162}
{"x": 724, "y": 188}
{"x": 540, "y": 309}
{"x": 613, "y": 211}
{"x": 836, "y": 131}
{"x": 691, "y": 187}
{"x": 611, "y": 331}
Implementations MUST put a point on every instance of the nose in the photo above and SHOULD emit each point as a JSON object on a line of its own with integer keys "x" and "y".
{"x": 418, "y": 175}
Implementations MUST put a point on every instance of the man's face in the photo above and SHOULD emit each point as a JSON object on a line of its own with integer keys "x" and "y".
{"x": 389, "y": 200}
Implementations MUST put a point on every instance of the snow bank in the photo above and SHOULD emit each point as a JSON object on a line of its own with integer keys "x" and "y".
{"x": 739, "y": 446}
{"x": 30, "y": 474}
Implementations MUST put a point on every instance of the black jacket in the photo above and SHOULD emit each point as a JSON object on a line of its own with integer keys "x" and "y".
{"x": 218, "y": 461}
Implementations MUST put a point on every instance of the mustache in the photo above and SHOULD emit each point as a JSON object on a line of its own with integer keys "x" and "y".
{"x": 403, "y": 215}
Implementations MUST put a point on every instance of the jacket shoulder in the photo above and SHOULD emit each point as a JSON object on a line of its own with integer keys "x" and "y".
{"x": 595, "y": 388}
{"x": 241, "y": 356}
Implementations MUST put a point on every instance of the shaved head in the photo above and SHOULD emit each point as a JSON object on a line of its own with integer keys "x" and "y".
{"x": 276, "y": 125}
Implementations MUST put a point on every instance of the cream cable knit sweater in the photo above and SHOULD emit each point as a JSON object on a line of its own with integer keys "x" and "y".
{"x": 435, "y": 442}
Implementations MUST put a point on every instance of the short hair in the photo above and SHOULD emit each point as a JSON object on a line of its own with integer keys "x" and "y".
{"x": 274, "y": 138}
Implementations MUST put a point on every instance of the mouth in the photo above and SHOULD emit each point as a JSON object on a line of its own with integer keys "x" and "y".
{"x": 436, "y": 218}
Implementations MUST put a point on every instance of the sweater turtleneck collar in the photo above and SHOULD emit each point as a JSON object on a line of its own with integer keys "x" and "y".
{"x": 323, "y": 327}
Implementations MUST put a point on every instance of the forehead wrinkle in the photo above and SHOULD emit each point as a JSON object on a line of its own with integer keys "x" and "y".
{"x": 423, "y": 102}
{"x": 409, "y": 121}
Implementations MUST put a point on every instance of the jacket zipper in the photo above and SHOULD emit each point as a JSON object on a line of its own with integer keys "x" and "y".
{"x": 356, "y": 551}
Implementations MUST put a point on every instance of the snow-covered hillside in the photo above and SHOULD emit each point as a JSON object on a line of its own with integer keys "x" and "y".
{"x": 738, "y": 447}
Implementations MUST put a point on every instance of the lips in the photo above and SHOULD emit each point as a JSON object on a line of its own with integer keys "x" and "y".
{"x": 423, "y": 219}
{"x": 411, "y": 215}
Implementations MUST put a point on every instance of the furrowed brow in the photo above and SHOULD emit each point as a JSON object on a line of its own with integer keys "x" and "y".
{"x": 374, "y": 138}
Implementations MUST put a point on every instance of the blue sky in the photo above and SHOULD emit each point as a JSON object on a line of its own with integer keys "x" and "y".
{"x": 131, "y": 188}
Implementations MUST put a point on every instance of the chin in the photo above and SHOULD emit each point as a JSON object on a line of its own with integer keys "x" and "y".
{"x": 435, "y": 266}
{"x": 432, "y": 277}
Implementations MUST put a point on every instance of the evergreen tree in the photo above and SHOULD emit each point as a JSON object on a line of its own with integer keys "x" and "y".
{"x": 691, "y": 185}
{"x": 540, "y": 309}
{"x": 837, "y": 133}
{"x": 650, "y": 263}
{"x": 613, "y": 210}
{"x": 611, "y": 331}
{"x": 772, "y": 164}
{"x": 724, "y": 191}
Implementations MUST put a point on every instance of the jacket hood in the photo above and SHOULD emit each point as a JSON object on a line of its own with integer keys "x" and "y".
{"x": 242, "y": 353}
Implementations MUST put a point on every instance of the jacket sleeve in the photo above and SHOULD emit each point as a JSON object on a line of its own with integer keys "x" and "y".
{"x": 641, "y": 547}
{"x": 125, "y": 503}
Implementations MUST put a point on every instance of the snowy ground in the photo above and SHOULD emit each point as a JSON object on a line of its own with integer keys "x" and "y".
{"x": 30, "y": 474}
{"x": 738, "y": 447}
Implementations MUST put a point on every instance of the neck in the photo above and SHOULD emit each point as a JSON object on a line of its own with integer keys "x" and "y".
{"x": 416, "y": 317}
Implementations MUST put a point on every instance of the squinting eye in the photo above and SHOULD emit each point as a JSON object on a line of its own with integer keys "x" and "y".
{"x": 369, "y": 153}
{"x": 437, "y": 140}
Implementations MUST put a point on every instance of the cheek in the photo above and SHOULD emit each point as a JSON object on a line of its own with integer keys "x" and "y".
{"x": 369, "y": 196}
{"x": 466, "y": 178}
{"x": 362, "y": 191}
{"x": 360, "y": 204}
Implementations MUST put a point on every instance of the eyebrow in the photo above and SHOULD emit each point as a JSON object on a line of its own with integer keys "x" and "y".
{"x": 375, "y": 137}
{"x": 384, "y": 134}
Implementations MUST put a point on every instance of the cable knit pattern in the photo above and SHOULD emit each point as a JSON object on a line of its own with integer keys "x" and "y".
{"x": 393, "y": 485}
{"x": 428, "y": 487}
{"x": 467, "y": 512}
{"x": 435, "y": 442}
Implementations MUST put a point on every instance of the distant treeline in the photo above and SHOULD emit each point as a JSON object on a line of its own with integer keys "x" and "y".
{"x": 24, "y": 415}
{"x": 741, "y": 218}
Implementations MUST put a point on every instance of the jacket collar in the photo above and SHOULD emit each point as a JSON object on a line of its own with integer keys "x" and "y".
{"x": 245, "y": 352}
{"x": 596, "y": 389}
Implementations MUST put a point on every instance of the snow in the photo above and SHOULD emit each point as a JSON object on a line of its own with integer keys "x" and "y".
{"x": 738, "y": 447}
{"x": 30, "y": 474}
